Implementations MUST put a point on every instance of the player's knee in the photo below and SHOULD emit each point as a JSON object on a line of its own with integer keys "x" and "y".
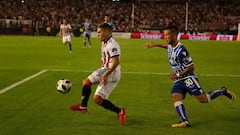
{"x": 203, "y": 101}
{"x": 177, "y": 97}
{"x": 86, "y": 82}
{"x": 203, "y": 98}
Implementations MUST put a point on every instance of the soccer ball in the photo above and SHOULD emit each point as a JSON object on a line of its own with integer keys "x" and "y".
{"x": 64, "y": 86}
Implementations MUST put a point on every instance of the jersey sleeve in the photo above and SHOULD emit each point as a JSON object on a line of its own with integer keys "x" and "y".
{"x": 69, "y": 26}
{"x": 114, "y": 50}
{"x": 185, "y": 57}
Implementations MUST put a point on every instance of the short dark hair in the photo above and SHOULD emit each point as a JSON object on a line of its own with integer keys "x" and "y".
{"x": 105, "y": 26}
{"x": 173, "y": 28}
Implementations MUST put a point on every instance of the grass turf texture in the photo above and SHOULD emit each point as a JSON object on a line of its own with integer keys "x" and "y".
{"x": 35, "y": 107}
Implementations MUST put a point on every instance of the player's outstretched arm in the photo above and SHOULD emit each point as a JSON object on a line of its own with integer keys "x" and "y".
{"x": 150, "y": 45}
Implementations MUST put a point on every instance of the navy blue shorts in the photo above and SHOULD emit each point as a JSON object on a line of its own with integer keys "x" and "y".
{"x": 87, "y": 35}
{"x": 189, "y": 84}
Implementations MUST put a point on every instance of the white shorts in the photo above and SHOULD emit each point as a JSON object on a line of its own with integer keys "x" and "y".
{"x": 105, "y": 90}
{"x": 66, "y": 38}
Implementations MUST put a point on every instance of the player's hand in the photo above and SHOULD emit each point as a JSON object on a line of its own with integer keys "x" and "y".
{"x": 149, "y": 45}
{"x": 104, "y": 79}
{"x": 172, "y": 76}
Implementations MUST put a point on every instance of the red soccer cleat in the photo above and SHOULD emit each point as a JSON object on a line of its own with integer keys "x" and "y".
{"x": 122, "y": 116}
{"x": 78, "y": 107}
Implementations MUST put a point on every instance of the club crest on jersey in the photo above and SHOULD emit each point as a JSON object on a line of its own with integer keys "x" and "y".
{"x": 114, "y": 50}
{"x": 184, "y": 53}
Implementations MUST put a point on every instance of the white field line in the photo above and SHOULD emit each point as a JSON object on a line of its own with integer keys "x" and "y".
{"x": 21, "y": 81}
{"x": 88, "y": 71}
{"x": 146, "y": 73}
{"x": 220, "y": 75}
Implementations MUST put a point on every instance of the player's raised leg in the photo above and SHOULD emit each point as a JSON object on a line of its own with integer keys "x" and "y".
{"x": 223, "y": 91}
{"x": 86, "y": 91}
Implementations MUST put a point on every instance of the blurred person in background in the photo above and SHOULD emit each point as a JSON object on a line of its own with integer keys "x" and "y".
{"x": 65, "y": 33}
{"x": 87, "y": 26}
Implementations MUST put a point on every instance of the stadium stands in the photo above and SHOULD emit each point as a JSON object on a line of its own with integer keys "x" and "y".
{"x": 204, "y": 15}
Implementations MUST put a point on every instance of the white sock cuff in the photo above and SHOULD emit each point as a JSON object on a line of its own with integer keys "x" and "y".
{"x": 208, "y": 97}
{"x": 177, "y": 103}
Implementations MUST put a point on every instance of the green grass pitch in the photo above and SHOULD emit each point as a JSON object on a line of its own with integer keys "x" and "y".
{"x": 36, "y": 108}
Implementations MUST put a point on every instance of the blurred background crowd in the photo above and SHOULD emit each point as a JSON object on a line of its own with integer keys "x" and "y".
{"x": 220, "y": 16}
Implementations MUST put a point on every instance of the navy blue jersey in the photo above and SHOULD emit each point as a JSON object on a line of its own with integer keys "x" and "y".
{"x": 179, "y": 59}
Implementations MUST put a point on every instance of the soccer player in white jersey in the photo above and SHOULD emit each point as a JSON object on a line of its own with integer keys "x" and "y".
{"x": 185, "y": 80}
{"x": 107, "y": 76}
{"x": 65, "y": 33}
{"x": 87, "y": 25}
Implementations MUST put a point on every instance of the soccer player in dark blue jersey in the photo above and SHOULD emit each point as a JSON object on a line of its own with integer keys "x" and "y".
{"x": 185, "y": 80}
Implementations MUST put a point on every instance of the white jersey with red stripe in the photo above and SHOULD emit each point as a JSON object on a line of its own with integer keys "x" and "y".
{"x": 110, "y": 49}
{"x": 66, "y": 29}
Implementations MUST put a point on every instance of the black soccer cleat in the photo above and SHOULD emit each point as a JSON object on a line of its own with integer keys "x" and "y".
{"x": 229, "y": 94}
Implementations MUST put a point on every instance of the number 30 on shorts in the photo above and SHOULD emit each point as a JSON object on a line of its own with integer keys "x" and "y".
{"x": 189, "y": 82}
